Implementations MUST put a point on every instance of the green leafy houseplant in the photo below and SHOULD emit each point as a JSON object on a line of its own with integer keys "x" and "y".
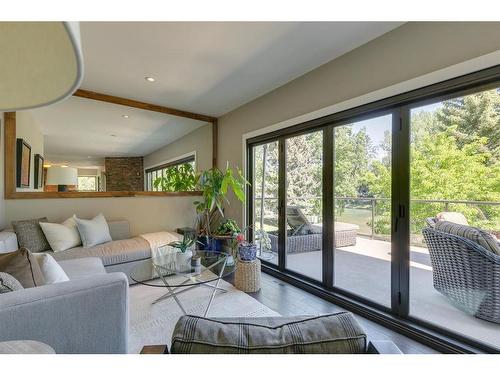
{"x": 214, "y": 185}
{"x": 184, "y": 244}
{"x": 227, "y": 228}
{"x": 177, "y": 178}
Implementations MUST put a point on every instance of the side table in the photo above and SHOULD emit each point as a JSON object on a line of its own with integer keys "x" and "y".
{"x": 247, "y": 276}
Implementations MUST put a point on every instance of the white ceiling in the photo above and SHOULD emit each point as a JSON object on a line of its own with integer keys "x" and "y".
{"x": 211, "y": 67}
{"x": 82, "y": 129}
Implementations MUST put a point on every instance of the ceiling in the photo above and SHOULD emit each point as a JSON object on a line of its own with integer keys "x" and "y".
{"x": 82, "y": 131}
{"x": 203, "y": 67}
{"x": 211, "y": 67}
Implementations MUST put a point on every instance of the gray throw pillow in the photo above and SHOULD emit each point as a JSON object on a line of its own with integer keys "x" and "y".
{"x": 477, "y": 235}
{"x": 8, "y": 283}
{"x": 30, "y": 235}
{"x": 93, "y": 232}
{"x": 22, "y": 265}
{"x": 327, "y": 334}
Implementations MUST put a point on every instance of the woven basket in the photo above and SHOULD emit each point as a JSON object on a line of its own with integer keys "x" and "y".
{"x": 247, "y": 277}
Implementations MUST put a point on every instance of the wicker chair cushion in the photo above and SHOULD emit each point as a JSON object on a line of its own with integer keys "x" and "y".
{"x": 477, "y": 235}
{"x": 328, "y": 334}
{"x": 453, "y": 217}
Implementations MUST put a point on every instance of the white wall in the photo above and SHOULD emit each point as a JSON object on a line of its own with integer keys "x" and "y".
{"x": 145, "y": 214}
{"x": 199, "y": 141}
{"x": 27, "y": 129}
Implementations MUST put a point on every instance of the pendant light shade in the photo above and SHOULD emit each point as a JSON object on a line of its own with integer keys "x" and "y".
{"x": 41, "y": 63}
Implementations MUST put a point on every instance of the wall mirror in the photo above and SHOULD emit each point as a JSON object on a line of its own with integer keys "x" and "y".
{"x": 85, "y": 147}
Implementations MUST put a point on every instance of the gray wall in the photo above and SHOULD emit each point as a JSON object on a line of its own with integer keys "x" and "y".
{"x": 405, "y": 53}
{"x": 199, "y": 140}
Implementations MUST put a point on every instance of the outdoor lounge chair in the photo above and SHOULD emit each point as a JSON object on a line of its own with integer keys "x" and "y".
{"x": 304, "y": 236}
{"x": 466, "y": 273}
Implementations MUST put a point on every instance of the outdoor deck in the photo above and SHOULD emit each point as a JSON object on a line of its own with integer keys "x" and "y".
{"x": 364, "y": 269}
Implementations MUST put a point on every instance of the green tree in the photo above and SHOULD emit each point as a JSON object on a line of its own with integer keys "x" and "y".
{"x": 474, "y": 116}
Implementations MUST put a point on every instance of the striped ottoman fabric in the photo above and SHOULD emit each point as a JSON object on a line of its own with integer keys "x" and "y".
{"x": 334, "y": 333}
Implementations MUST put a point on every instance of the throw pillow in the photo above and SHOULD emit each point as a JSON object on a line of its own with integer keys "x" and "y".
{"x": 22, "y": 265}
{"x": 93, "y": 232}
{"x": 62, "y": 236}
{"x": 30, "y": 235}
{"x": 8, "y": 283}
{"x": 477, "y": 235}
{"x": 51, "y": 270}
{"x": 327, "y": 334}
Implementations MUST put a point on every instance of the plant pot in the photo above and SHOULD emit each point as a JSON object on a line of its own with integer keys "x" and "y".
{"x": 183, "y": 260}
{"x": 247, "y": 251}
{"x": 210, "y": 243}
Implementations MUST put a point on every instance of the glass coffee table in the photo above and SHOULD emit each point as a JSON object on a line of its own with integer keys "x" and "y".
{"x": 166, "y": 271}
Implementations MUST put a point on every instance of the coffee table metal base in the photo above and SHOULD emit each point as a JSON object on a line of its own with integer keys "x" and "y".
{"x": 173, "y": 291}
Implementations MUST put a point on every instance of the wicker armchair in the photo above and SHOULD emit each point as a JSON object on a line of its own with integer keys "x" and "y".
{"x": 466, "y": 273}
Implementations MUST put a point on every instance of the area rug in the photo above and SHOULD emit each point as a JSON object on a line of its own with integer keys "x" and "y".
{"x": 153, "y": 324}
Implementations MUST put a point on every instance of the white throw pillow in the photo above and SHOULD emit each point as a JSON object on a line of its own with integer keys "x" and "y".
{"x": 62, "y": 236}
{"x": 51, "y": 270}
{"x": 93, "y": 232}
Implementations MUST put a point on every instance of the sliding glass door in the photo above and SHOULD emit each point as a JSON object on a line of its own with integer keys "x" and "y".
{"x": 304, "y": 204}
{"x": 265, "y": 184}
{"x": 354, "y": 204}
{"x": 455, "y": 179}
{"x": 362, "y": 208}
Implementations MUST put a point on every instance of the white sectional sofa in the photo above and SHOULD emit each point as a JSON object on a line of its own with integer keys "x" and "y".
{"x": 88, "y": 313}
{"x": 119, "y": 255}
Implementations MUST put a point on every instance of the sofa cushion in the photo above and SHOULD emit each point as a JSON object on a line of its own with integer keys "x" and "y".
{"x": 83, "y": 267}
{"x": 94, "y": 231}
{"x": 62, "y": 236}
{"x": 25, "y": 347}
{"x": 22, "y": 265}
{"x": 333, "y": 333}
{"x": 477, "y": 235}
{"x": 9, "y": 283}
{"x": 30, "y": 235}
{"x": 113, "y": 252}
{"x": 51, "y": 270}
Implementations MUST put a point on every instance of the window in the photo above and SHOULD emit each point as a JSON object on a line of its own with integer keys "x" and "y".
{"x": 174, "y": 176}
{"x": 347, "y": 203}
{"x": 87, "y": 183}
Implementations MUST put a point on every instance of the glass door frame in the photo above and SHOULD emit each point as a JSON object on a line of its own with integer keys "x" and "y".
{"x": 397, "y": 316}
{"x": 328, "y": 183}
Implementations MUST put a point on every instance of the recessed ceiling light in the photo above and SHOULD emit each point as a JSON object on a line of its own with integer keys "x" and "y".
{"x": 125, "y": 116}
{"x": 113, "y": 135}
{"x": 64, "y": 166}
{"x": 149, "y": 79}
{"x": 47, "y": 165}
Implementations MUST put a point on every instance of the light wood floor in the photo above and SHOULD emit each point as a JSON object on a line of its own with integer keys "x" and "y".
{"x": 288, "y": 300}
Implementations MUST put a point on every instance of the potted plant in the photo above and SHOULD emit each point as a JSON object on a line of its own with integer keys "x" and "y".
{"x": 185, "y": 247}
{"x": 214, "y": 185}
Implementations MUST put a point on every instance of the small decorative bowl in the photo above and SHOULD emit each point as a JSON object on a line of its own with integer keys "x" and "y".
{"x": 247, "y": 251}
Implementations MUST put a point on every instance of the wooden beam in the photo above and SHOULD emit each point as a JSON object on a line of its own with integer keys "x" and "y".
{"x": 9, "y": 154}
{"x": 99, "y": 194}
{"x": 142, "y": 105}
{"x": 215, "y": 142}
